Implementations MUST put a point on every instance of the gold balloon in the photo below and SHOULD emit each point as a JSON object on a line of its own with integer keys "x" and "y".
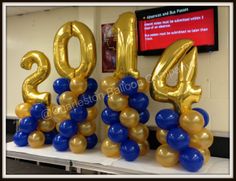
{"x": 57, "y": 126}
{"x": 144, "y": 148}
{"x": 139, "y": 133}
{"x": 161, "y": 135}
{"x": 109, "y": 84}
{"x": 78, "y": 85}
{"x": 87, "y": 49}
{"x": 60, "y": 113}
{"x": 110, "y": 148}
{"x": 191, "y": 121}
{"x": 68, "y": 98}
{"x": 106, "y": 129}
{"x": 30, "y": 85}
{"x": 50, "y": 109}
{"x": 46, "y": 125}
{"x": 185, "y": 92}
{"x": 142, "y": 84}
{"x": 92, "y": 113}
{"x": 87, "y": 128}
{"x": 202, "y": 139}
{"x": 129, "y": 117}
{"x": 117, "y": 102}
{"x": 78, "y": 144}
{"x": 166, "y": 156}
{"x": 36, "y": 139}
{"x": 23, "y": 110}
{"x": 126, "y": 47}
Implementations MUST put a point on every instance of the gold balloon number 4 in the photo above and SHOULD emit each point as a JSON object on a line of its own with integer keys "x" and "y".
{"x": 182, "y": 95}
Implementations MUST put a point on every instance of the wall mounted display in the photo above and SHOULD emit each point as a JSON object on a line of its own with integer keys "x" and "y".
{"x": 126, "y": 103}
{"x": 160, "y": 27}
{"x": 108, "y": 48}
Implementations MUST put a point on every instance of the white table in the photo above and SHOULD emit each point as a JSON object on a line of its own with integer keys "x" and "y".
{"x": 96, "y": 161}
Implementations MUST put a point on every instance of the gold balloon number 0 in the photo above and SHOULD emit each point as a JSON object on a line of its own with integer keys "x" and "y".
{"x": 87, "y": 47}
{"x": 29, "y": 88}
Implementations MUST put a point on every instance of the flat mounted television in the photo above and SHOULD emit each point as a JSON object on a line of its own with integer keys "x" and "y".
{"x": 159, "y": 27}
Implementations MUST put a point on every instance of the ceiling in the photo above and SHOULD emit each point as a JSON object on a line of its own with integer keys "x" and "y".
{"x": 17, "y": 10}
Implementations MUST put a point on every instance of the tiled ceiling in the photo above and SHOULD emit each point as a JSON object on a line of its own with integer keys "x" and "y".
{"x": 17, "y": 10}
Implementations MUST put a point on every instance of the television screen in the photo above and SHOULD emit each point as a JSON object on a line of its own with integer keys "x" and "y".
{"x": 159, "y": 27}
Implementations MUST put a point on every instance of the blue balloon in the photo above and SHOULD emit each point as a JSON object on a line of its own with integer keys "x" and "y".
{"x": 144, "y": 116}
{"x": 78, "y": 114}
{"x": 106, "y": 100}
{"x": 139, "y": 101}
{"x": 92, "y": 85}
{"x": 129, "y": 150}
{"x": 60, "y": 143}
{"x": 128, "y": 86}
{"x": 58, "y": 99}
{"x": 110, "y": 117}
{"x": 87, "y": 99}
{"x": 204, "y": 114}
{"x": 49, "y": 136}
{"x": 20, "y": 138}
{"x": 91, "y": 141}
{"x": 167, "y": 119}
{"x": 117, "y": 133}
{"x": 68, "y": 128}
{"x": 178, "y": 139}
{"x": 61, "y": 85}
{"x": 28, "y": 125}
{"x": 38, "y": 111}
{"x": 191, "y": 159}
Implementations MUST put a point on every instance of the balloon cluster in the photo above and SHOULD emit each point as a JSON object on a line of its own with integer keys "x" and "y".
{"x": 184, "y": 138}
{"x": 125, "y": 115}
{"x": 75, "y": 114}
{"x": 33, "y": 128}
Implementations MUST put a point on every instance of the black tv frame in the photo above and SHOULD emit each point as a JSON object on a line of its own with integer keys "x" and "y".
{"x": 204, "y": 48}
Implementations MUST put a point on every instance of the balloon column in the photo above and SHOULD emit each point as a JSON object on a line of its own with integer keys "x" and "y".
{"x": 35, "y": 127}
{"x": 126, "y": 103}
{"x": 181, "y": 131}
{"x": 75, "y": 113}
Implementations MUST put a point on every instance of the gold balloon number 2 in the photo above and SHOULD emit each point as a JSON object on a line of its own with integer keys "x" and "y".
{"x": 29, "y": 87}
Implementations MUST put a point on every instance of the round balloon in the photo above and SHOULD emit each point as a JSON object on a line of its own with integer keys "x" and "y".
{"x": 23, "y": 110}
{"x": 166, "y": 156}
{"x": 68, "y": 128}
{"x": 78, "y": 114}
{"x": 92, "y": 85}
{"x": 20, "y": 138}
{"x": 39, "y": 111}
{"x": 60, "y": 143}
{"x": 167, "y": 119}
{"x": 109, "y": 116}
{"x": 161, "y": 135}
{"x": 49, "y": 136}
{"x": 142, "y": 84}
{"x": 46, "y": 125}
{"x": 61, "y": 85}
{"x": 28, "y": 125}
{"x": 139, "y": 101}
{"x": 144, "y": 116}
{"x": 36, "y": 139}
{"x": 139, "y": 133}
{"x": 60, "y": 113}
{"x": 117, "y": 133}
{"x": 92, "y": 113}
{"x": 178, "y": 139}
{"x": 191, "y": 121}
{"x": 106, "y": 100}
{"x": 78, "y": 85}
{"x": 204, "y": 114}
{"x": 128, "y": 86}
{"x": 68, "y": 98}
{"x": 87, "y": 128}
{"x": 191, "y": 159}
{"x": 91, "y": 141}
{"x": 143, "y": 147}
{"x": 87, "y": 99}
{"x": 110, "y": 148}
{"x": 78, "y": 144}
{"x": 129, "y": 150}
{"x": 109, "y": 84}
{"x": 117, "y": 102}
{"x": 129, "y": 117}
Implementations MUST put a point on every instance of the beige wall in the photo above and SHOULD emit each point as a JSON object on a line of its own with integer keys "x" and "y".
{"x": 37, "y": 30}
